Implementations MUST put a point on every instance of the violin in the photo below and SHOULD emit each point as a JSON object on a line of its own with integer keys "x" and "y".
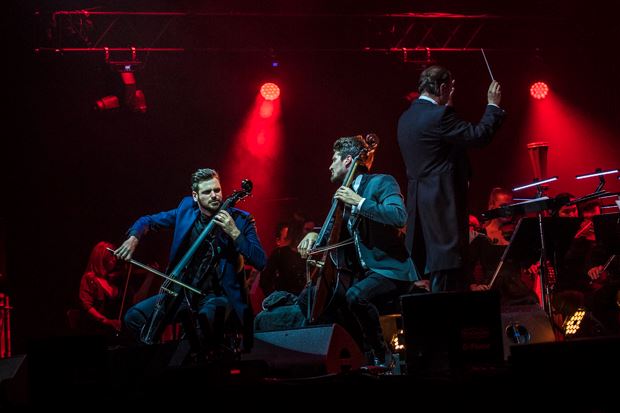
{"x": 595, "y": 284}
{"x": 586, "y": 230}
{"x": 323, "y": 273}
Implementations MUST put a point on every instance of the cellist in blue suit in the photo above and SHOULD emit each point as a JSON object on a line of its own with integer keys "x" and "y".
{"x": 217, "y": 267}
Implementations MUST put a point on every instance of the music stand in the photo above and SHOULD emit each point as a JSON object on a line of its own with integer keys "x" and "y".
{"x": 607, "y": 231}
{"x": 540, "y": 189}
{"x": 529, "y": 206}
{"x": 525, "y": 245}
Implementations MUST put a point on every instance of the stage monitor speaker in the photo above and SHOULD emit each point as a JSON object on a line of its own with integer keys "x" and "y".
{"x": 582, "y": 369}
{"x": 525, "y": 324}
{"x": 66, "y": 365}
{"x": 307, "y": 351}
{"x": 450, "y": 330}
{"x": 13, "y": 382}
{"x": 9, "y": 367}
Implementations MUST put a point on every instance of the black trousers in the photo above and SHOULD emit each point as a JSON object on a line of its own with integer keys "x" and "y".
{"x": 355, "y": 307}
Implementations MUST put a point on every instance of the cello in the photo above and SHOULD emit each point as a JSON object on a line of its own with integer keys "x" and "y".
{"x": 172, "y": 291}
{"x": 322, "y": 272}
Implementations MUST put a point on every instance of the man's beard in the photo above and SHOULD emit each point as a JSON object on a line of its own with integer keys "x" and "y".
{"x": 212, "y": 207}
{"x": 336, "y": 179}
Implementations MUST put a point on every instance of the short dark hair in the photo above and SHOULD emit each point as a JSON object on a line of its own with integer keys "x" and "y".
{"x": 203, "y": 174}
{"x": 589, "y": 206}
{"x": 565, "y": 195}
{"x": 353, "y": 145}
{"x": 432, "y": 77}
{"x": 496, "y": 192}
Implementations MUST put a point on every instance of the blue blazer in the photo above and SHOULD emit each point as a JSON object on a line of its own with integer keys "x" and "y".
{"x": 232, "y": 254}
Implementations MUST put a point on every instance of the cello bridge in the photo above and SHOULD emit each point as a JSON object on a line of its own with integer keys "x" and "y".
{"x": 316, "y": 263}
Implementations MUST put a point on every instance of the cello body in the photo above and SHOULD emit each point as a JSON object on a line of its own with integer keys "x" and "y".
{"x": 171, "y": 294}
{"x": 324, "y": 277}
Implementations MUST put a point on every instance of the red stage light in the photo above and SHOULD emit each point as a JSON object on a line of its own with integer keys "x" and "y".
{"x": 539, "y": 90}
{"x": 107, "y": 102}
{"x": 270, "y": 91}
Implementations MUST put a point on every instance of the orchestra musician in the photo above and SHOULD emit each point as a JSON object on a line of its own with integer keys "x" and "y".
{"x": 376, "y": 267}
{"x": 485, "y": 253}
{"x": 99, "y": 294}
{"x": 589, "y": 276}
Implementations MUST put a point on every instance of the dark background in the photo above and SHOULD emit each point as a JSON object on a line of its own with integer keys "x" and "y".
{"x": 74, "y": 176}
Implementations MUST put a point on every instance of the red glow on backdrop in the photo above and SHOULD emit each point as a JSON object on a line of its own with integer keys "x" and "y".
{"x": 254, "y": 155}
{"x": 270, "y": 91}
{"x": 260, "y": 134}
{"x": 539, "y": 90}
{"x": 266, "y": 109}
{"x": 577, "y": 145}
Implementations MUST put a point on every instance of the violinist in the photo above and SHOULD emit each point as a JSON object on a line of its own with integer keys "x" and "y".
{"x": 570, "y": 210}
{"x": 589, "y": 275}
{"x": 583, "y": 256}
{"x": 216, "y": 269}
{"x": 376, "y": 267}
{"x": 485, "y": 253}
{"x": 99, "y": 294}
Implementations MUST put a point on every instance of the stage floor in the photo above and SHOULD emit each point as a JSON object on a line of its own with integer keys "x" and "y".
{"x": 577, "y": 375}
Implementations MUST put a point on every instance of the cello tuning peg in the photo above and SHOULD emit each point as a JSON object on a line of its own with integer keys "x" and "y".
{"x": 247, "y": 185}
{"x": 372, "y": 139}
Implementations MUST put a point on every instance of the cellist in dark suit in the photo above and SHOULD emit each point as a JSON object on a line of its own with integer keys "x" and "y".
{"x": 433, "y": 141}
{"x": 378, "y": 261}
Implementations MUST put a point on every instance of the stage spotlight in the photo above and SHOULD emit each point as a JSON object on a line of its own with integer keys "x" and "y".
{"x": 574, "y": 320}
{"x": 270, "y": 91}
{"x": 539, "y": 90}
{"x": 133, "y": 98}
{"x": 572, "y": 323}
{"x": 135, "y": 101}
{"x": 397, "y": 341}
{"x": 107, "y": 102}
